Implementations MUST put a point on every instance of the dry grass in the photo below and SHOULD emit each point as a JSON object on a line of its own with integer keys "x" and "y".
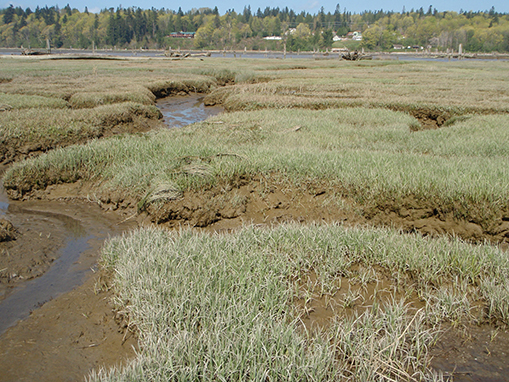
{"x": 39, "y": 129}
{"x": 442, "y": 88}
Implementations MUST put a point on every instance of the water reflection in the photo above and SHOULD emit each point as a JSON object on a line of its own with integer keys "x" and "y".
{"x": 60, "y": 278}
{"x": 181, "y": 111}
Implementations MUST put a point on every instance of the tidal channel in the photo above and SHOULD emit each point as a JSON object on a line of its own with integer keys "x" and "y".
{"x": 58, "y": 242}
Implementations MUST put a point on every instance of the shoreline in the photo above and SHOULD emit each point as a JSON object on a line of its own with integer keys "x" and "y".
{"x": 119, "y": 54}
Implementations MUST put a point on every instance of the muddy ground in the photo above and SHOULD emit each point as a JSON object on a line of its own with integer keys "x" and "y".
{"x": 66, "y": 339}
{"x": 266, "y": 200}
{"x": 69, "y": 331}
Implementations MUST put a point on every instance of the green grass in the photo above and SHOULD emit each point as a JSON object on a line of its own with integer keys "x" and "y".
{"x": 45, "y": 128}
{"x": 222, "y": 306}
{"x": 372, "y": 154}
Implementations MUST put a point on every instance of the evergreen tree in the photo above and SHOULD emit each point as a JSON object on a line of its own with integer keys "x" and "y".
{"x": 9, "y": 15}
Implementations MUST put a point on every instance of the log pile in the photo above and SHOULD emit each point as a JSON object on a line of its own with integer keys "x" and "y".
{"x": 354, "y": 56}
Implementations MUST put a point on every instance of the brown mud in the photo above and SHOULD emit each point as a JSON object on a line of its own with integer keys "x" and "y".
{"x": 66, "y": 339}
{"x": 464, "y": 353}
{"x": 358, "y": 290}
{"x": 472, "y": 354}
{"x": 266, "y": 200}
{"x": 64, "y": 332}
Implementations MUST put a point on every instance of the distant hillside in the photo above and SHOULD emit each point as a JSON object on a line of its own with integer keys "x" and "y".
{"x": 134, "y": 28}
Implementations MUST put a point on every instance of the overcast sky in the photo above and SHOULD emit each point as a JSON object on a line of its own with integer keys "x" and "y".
{"x": 311, "y": 6}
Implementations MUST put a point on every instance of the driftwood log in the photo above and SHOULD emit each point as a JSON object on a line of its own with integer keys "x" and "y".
{"x": 355, "y": 56}
{"x": 30, "y": 52}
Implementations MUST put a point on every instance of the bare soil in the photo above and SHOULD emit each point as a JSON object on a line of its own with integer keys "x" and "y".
{"x": 70, "y": 333}
{"x": 66, "y": 339}
{"x": 472, "y": 354}
{"x": 265, "y": 200}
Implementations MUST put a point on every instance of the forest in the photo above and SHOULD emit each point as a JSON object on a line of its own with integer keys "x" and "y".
{"x": 137, "y": 28}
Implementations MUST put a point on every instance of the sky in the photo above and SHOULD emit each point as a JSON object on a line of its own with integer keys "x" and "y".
{"x": 311, "y": 6}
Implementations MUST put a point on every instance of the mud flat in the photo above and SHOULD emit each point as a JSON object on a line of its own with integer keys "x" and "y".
{"x": 68, "y": 326}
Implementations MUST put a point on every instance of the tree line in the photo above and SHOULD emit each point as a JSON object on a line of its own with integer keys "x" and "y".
{"x": 133, "y": 28}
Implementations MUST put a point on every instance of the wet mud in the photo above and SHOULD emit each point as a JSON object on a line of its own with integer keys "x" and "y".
{"x": 66, "y": 338}
{"x": 53, "y": 327}
{"x": 358, "y": 290}
{"x": 472, "y": 354}
{"x": 265, "y": 201}
{"x": 463, "y": 352}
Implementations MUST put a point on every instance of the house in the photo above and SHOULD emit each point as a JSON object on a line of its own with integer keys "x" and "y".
{"x": 273, "y": 38}
{"x": 356, "y": 35}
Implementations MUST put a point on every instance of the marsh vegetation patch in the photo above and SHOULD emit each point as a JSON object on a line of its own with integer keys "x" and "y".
{"x": 30, "y": 132}
{"x": 355, "y": 299}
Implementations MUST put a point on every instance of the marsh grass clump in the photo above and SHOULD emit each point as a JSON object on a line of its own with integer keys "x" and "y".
{"x": 224, "y": 76}
{"x": 195, "y": 84}
{"x": 209, "y": 307}
{"x": 376, "y": 344}
{"x": 89, "y": 99}
{"x": 23, "y": 131}
{"x": 161, "y": 192}
{"x": 433, "y": 99}
{"x": 16, "y": 101}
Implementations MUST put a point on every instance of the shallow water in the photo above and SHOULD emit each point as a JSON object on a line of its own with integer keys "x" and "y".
{"x": 179, "y": 111}
{"x": 61, "y": 277}
{"x": 56, "y": 247}
{"x": 239, "y": 54}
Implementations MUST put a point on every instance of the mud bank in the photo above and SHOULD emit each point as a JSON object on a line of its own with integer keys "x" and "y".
{"x": 64, "y": 333}
{"x": 15, "y": 148}
{"x": 66, "y": 338}
{"x": 266, "y": 201}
